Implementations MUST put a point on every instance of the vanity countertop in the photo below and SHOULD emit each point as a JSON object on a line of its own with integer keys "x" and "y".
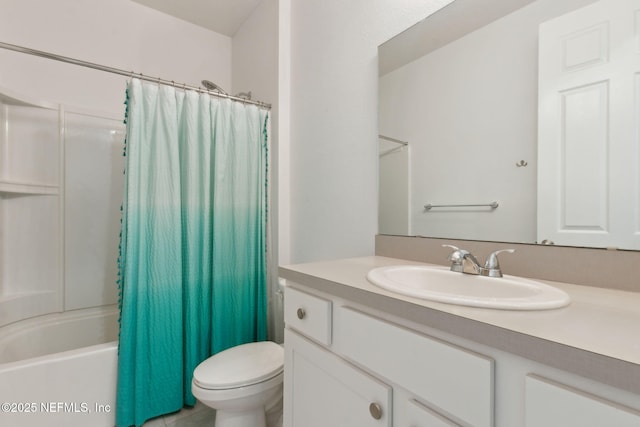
{"x": 597, "y": 336}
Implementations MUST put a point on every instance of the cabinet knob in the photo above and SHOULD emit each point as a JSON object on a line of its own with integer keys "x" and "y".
{"x": 375, "y": 410}
{"x": 301, "y": 313}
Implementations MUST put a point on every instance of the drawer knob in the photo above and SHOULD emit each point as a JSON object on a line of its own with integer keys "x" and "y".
{"x": 375, "y": 410}
{"x": 301, "y": 313}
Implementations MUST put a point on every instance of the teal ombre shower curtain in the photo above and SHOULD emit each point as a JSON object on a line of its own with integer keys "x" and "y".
{"x": 192, "y": 254}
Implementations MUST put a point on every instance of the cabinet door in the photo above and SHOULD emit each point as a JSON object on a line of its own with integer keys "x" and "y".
{"x": 418, "y": 415}
{"x": 455, "y": 380}
{"x": 323, "y": 390}
{"x": 553, "y": 405}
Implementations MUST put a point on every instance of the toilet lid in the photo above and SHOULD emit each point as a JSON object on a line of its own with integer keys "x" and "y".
{"x": 239, "y": 366}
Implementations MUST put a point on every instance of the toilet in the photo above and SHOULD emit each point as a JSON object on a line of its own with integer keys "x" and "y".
{"x": 241, "y": 383}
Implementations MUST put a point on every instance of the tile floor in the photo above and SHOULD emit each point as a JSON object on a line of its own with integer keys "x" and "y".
{"x": 203, "y": 416}
{"x": 198, "y": 416}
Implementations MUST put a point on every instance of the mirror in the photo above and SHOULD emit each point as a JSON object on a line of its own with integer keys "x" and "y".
{"x": 507, "y": 120}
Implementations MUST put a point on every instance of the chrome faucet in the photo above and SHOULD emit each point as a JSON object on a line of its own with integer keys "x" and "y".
{"x": 463, "y": 261}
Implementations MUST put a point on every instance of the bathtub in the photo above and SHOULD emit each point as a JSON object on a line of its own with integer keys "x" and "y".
{"x": 60, "y": 370}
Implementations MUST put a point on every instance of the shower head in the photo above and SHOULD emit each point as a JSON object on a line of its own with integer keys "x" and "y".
{"x": 209, "y": 85}
{"x": 244, "y": 95}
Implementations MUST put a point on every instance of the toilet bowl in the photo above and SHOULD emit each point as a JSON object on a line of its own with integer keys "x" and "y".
{"x": 240, "y": 383}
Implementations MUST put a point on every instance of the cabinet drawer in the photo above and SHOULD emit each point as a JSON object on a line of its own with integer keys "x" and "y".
{"x": 550, "y": 404}
{"x": 455, "y": 381}
{"x": 308, "y": 314}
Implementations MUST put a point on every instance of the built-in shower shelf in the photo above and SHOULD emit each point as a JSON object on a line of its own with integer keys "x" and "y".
{"x": 8, "y": 97}
{"x": 31, "y": 224}
{"x": 17, "y": 188}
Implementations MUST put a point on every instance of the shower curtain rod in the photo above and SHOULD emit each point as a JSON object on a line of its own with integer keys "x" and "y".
{"x": 112, "y": 70}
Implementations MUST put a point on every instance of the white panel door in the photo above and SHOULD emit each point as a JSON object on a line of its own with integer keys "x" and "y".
{"x": 588, "y": 175}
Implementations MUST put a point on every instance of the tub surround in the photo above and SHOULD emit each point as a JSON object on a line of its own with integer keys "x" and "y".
{"x": 594, "y": 337}
{"x": 62, "y": 166}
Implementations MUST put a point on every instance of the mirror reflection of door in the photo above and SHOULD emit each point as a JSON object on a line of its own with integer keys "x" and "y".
{"x": 589, "y": 98}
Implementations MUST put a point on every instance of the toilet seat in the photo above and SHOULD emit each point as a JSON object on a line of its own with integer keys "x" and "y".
{"x": 240, "y": 366}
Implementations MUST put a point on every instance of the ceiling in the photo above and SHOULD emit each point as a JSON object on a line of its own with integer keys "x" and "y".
{"x": 436, "y": 30}
{"x": 221, "y": 16}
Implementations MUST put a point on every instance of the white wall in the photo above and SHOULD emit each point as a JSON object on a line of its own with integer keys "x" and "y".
{"x": 334, "y": 148}
{"x": 255, "y": 68}
{"x": 255, "y": 54}
{"x": 333, "y": 86}
{"x": 284, "y": 131}
{"x": 117, "y": 33}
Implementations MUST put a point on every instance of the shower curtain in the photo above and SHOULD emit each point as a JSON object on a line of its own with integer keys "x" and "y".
{"x": 192, "y": 254}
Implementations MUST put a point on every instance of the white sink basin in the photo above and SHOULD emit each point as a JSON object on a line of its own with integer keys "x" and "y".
{"x": 442, "y": 285}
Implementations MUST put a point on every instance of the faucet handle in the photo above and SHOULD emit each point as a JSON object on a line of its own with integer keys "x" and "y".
{"x": 492, "y": 266}
{"x": 456, "y": 257}
{"x": 455, "y": 248}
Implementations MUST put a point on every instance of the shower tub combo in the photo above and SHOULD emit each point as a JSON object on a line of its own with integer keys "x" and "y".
{"x": 60, "y": 193}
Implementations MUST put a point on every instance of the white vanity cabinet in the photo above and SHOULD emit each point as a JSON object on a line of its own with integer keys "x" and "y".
{"x": 324, "y": 390}
{"x": 321, "y": 388}
{"x": 350, "y": 345}
{"x": 347, "y": 368}
{"x": 453, "y": 381}
{"x": 415, "y": 414}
